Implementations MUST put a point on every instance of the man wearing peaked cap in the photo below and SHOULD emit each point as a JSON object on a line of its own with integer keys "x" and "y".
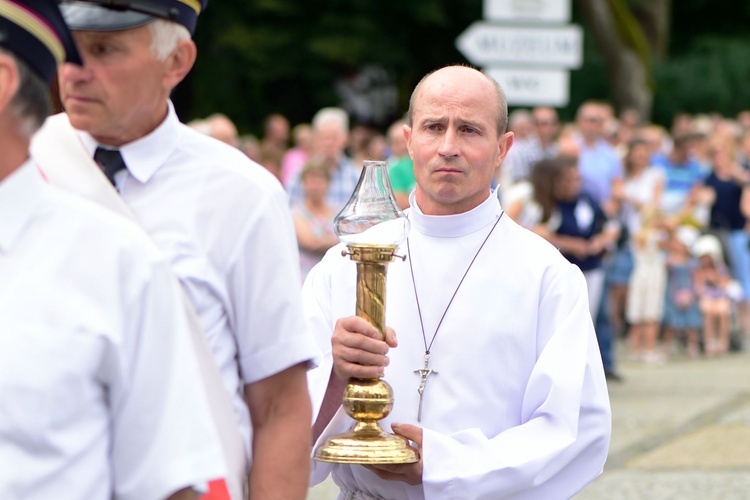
{"x": 97, "y": 363}
{"x": 109, "y": 15}
{"x": 222, "y": 220}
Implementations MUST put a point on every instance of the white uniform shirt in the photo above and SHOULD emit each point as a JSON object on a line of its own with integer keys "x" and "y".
{"x": 519, "y": 408}
{"x": 224, "y": 222}
{"x": 97, "y": 367}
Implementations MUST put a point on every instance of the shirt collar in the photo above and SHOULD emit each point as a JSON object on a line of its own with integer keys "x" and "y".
{"x": 144, "y": 156}
{"x": 19, "y": 197}
{"x": 453, "y": 226}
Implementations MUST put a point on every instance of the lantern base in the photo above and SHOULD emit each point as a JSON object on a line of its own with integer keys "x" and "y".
{"x": 366, "y": 444}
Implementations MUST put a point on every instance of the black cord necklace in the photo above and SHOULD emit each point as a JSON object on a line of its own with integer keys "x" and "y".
{"x": 426, "y": 371}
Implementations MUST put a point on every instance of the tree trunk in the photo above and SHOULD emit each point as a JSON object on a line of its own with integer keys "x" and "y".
{"x": 654, "y": 16}
{"x": 628, "y": 70}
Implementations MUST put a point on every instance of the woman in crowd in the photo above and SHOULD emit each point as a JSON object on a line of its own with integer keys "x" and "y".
{"x": 313, "y": 216}
{"x": 722, "y": 191}
{"x": 640, "y": 193}
{"x": 577, "y": 225}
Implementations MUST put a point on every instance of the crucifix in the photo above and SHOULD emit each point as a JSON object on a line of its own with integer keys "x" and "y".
{"x": 424, "y": 373}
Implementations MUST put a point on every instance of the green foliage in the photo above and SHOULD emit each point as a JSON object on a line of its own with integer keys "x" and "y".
{"x": 712, "y": 75}
{"x": 263, "y": 56}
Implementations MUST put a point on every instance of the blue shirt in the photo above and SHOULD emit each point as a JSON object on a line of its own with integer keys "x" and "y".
{"x": 599, "y": 166}
{"x": 679, "y": 180}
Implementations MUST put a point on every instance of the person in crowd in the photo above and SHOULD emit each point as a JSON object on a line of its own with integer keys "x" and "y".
{"x": 682, "y": 177}
{"x": 99, "y": 378}
{"x": 271, "y": 159}
{"x": 250, "y": 145}
{"x": 714, "y": 295}
{"x": 400, "y": 166}
{"x": 275, "y": 140}
{"x": 547, "y": 126}
{"x": 581, "y": 230}
{"x": 600, "y": 167}
{"x": 313, "y": 218}
{"x": 222, "y": 220}
{"x": 330, "y": 137}
{"x": 222, "y": 128}
{"x": 517, "y": 402}
{"x": 601, "y": 174}
{"x": 516, "y": 171}
{"x": 641, "y": 193}
{"x": 519, "y": 201}
{"x": 723, "y": 190}
{"x": 579, "y": 227}
{"x": 517, "y": 164}
{"x": 743, "y": 154}
{"x": 658, "y": 139}
{"x": 368, "y": 144}
{"x": 681, "y": 313}
{"x": 295, "y": 158}
{"x": 647, "y": 288}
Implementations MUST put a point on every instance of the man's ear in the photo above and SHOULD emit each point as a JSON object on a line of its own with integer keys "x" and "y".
{"x": 179, "y": 63}
{"x": 505, "y": 143}
{"x": 9, "y": 80}
{"x": 407, "y": 136}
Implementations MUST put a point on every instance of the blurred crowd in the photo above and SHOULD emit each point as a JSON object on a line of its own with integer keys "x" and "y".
{"x": 655, "y": 217}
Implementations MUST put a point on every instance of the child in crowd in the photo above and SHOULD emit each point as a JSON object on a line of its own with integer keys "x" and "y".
{"x": 715, "y": 289}
{"x": 681, "y": 313}
{"x": 645, "y": 302}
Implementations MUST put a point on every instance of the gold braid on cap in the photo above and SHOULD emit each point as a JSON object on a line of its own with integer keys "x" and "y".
{"x": 36, "y": 27}
{"x": 193, "y": 4}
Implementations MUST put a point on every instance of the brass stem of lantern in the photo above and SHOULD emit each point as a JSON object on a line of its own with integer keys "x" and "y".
{"x": 369, "y": 400}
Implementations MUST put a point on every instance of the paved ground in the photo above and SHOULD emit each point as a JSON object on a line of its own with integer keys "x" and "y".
{"x": 681, "y": 430}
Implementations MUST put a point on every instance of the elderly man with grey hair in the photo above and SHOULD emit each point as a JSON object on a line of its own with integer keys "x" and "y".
{"x": 222, "y": 220}
{"x": 330, "y": 136}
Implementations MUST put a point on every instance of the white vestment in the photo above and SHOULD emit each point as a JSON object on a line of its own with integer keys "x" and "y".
{"x": 519, "y": 407}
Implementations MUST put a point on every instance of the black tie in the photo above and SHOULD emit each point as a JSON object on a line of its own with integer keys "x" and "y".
{"x": 110, "y": 160}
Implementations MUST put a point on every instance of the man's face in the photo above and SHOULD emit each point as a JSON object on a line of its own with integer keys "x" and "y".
{"x": 454, "y": 141}
{"x": 330, "y": 140}
{"x": 547, "y": 124}
{"x": 590, "y": 121}
{"x": 119, "y": 95}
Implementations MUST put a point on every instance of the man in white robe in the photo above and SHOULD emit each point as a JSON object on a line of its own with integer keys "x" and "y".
{"x": 517, "y": 405}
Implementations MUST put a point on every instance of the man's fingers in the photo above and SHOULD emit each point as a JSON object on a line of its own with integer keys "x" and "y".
{"x": 355, "y": 324}
{"x": 345, "y": 371}
{"x": 390, "y": 337}
{"x": 410, "y": 432}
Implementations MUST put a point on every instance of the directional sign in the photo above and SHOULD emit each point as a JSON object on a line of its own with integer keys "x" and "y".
{"x": 545, "y": 11}
{"x": 533, "y": 87}
{"x": 486, "y": 44}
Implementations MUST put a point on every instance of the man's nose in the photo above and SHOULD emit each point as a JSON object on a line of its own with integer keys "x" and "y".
{"x": 73, "y": 72}
{"x": 449, "y": 144}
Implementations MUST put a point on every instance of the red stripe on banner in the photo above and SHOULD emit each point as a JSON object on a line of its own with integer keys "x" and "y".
{"x": 41, "y": 172}
{"x": 217, "y": 490}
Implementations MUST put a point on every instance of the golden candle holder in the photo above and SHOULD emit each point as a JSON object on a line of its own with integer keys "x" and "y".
{"x": 369, "y": 400}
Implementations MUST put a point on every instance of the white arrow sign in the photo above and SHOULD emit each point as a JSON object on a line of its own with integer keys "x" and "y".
{"x": 486, "y": 44}
{"x": 533, "y": 87}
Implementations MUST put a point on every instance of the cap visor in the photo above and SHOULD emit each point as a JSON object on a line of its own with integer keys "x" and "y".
{"x": 89, "y": 17}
